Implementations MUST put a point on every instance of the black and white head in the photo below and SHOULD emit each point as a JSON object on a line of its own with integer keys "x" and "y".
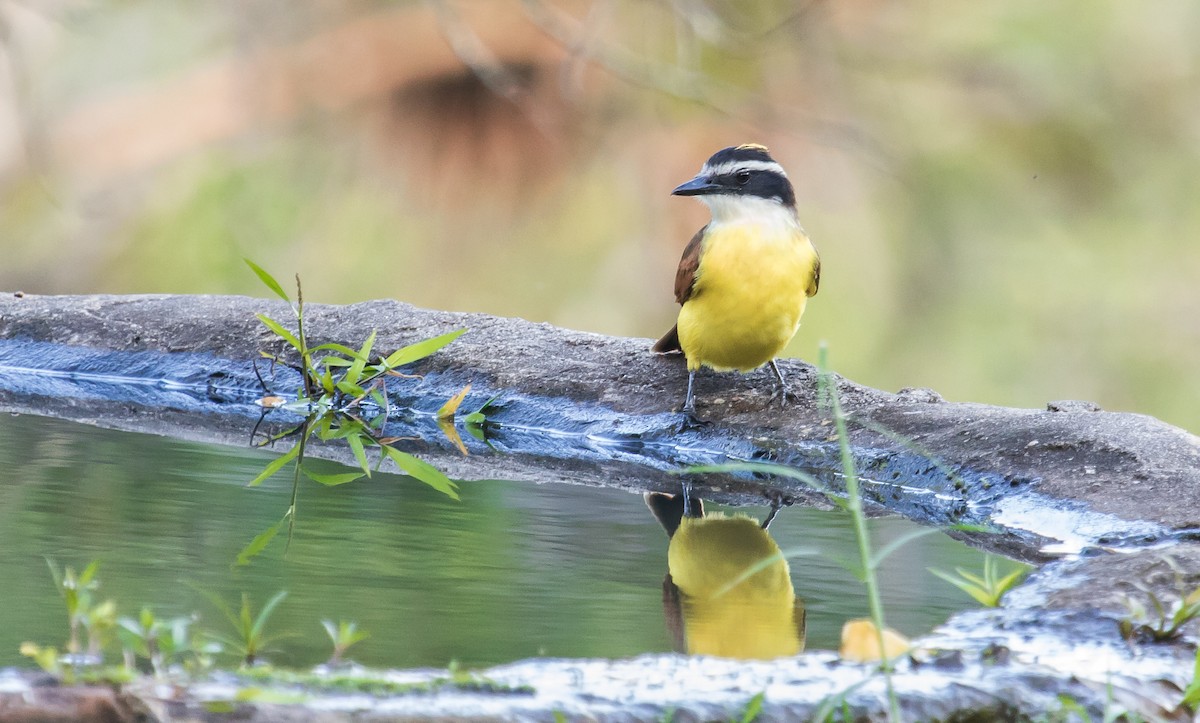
{"x": 741, "y": 179}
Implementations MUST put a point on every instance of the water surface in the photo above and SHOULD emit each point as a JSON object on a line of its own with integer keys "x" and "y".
{"x": 513, "y": 570}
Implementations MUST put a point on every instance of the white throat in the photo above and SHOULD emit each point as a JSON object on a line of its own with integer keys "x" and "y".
{"x": 750, "y": 210}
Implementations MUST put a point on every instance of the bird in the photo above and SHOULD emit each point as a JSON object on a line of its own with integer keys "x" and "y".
{"x": 746, "y": 276}
{"x": 728, "y": 590}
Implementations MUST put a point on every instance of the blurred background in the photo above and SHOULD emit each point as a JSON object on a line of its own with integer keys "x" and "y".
{"x": 1006, "y": 196}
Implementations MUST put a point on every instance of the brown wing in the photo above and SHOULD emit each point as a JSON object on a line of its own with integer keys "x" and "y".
{"x": 685, "y": 280}
{"x": 685, "y": 275}
{"x": 816, "y": 279}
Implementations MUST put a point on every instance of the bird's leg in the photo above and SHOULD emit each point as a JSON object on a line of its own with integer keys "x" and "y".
{"x": 691, "y": 506}
{"x": 689, "y": 401}
{"x": 690, "y": 420}
{"x": 775, "y": 507}
{"x": 783, "y": 395}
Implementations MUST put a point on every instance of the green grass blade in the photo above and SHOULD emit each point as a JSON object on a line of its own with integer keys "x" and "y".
{"x": 245, "y": 624}
{"x": 219, "y": 603}
{"x": 762, "y": 468}
{"x": 749, "y": 572}
{"x": 971, "y": 577}
{"x": 261, "y": 621}
{"x": 421, "y": 349}
{"x": 257, "y": 545}
{"x": 275, "y": 465}
{"x": 422, "y": 471}
{"x": 884, "y": 552}
{"x": 56, "y": 574}
{"x": 267, "y": 279}
{"x": 333, "y": 480}
{"x": 758, "y": 467}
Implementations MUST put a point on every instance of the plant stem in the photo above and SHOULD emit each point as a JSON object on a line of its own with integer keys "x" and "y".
{"x": 305, "y": 355}
{"x": 861, "y": 534}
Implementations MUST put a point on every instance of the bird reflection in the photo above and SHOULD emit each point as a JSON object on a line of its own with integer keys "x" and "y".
{"x": 728, "y": 590}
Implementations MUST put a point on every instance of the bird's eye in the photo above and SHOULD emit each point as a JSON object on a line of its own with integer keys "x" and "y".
{"x": 743, "y": 177}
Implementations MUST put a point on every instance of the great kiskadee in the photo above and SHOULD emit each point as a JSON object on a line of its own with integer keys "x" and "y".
{"x": 744, "y": 278}
{"x": 728, "y": 590}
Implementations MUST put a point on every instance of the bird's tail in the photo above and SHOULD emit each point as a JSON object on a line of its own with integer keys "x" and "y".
{"x": 669, "y": 344}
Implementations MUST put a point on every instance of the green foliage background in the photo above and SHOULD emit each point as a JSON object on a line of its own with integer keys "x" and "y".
{"x": 1004, "y": 194}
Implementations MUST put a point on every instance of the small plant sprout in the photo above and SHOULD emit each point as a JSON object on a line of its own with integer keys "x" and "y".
{"x": 1191, "y": 695}
{"x": 162, "y": 643}
{"x": 96, "y": 621}
{"x": 46, "y": 657}
{"x": 989, "y": 588}
{"x": 344, "y": 635}
{"x": 343, "y": 397}
{"x": 249, "y": 640}
{"x": 753, "y": 709}
{"x": 1163, "y": 621}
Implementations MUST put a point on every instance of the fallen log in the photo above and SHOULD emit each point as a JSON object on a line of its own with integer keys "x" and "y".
{"x": 586, "y": 408}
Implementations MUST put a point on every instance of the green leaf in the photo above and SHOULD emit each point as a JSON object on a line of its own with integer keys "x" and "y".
{"x": 280, "y": 331}
{"x": 360, "y": 454}
{"x": 339, "y": 348}
{"x": 267, "y": 279}
{"x": 335, "y": 361}
{"x": 423, "y": 471}
{"x": 1005, "y": 583}
{"x": 360, "y": 361}
{"x": 348, "y": 387}
{"x": 421, "y": 349}
{"x": 89, "y": 572}
{"x": 258, "y": 544}
{"x": 275, "y": 465}
{"x": 1191, "y": 696}
{"x": 332, "y": 480}
{"x": 753, "y": 708}
{"x": 979, "y": 594}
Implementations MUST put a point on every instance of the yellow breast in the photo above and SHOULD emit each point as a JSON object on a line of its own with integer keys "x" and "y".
{"x": 749, "y": 295}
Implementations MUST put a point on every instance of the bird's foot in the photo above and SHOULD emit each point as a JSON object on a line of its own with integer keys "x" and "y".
{"x": 778, "y": 501}
{"x": 785, "y": 397}
{"x": 691, "y": 422}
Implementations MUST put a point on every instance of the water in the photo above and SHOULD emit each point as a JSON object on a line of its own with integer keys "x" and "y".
{"x": 513, "y": 570}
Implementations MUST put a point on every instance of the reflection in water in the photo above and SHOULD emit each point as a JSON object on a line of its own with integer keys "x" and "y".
{"x": 728, "y": 590}
{"x": 512, "y": 571}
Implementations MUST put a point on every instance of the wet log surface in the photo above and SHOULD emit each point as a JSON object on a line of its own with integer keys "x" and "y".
{"x": 591, "y": 409}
